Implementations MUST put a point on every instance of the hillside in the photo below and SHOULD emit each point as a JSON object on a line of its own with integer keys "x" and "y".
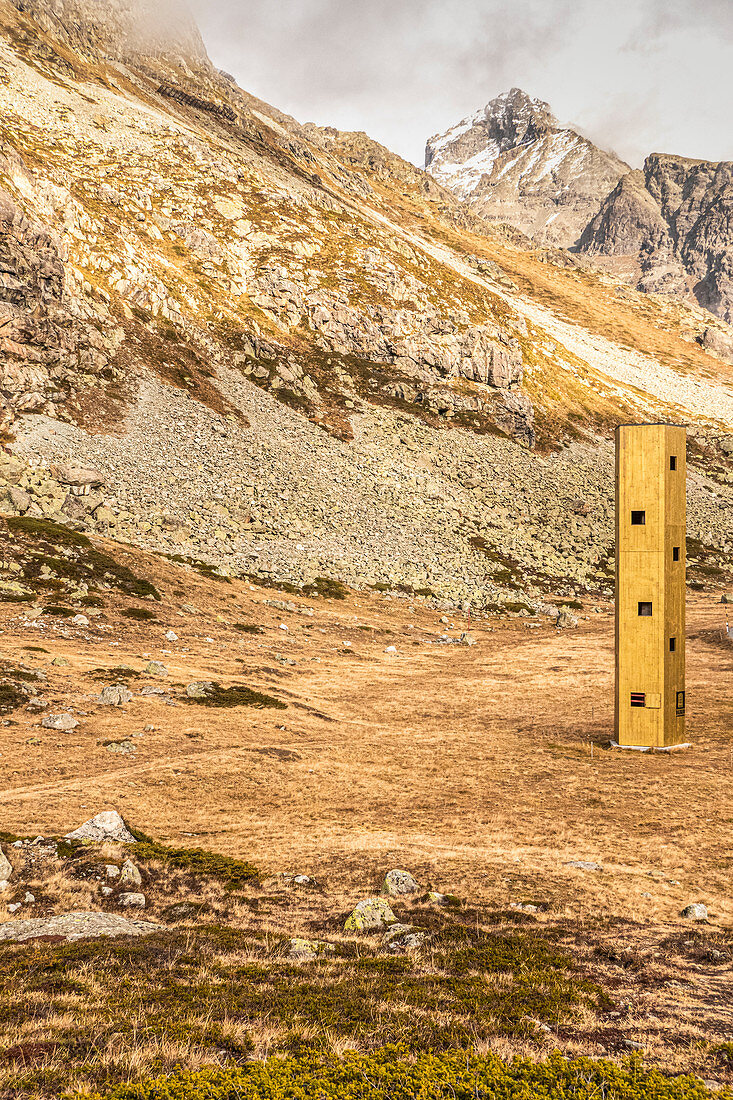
{"x": 201, "y": 295}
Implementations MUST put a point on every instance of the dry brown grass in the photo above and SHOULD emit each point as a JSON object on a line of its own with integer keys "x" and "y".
{"x": 472, "y": 767}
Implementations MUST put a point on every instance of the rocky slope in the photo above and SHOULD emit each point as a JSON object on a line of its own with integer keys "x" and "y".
{"x": 286, "y": 351}
{"x": 673, "y": 223}
{"x": 514, "y": 162}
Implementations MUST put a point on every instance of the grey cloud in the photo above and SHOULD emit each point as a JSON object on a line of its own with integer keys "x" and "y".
{"x": 638, "y": 75}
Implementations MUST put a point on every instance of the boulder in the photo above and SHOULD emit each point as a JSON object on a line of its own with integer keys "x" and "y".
{"x": 6, "y": 867}
{"x": 63, "y": 722}
{"x": 115, "y": 695}
{"x": 400, "y": 882}
{"x": 307, "y": 950}
{"x": 370, "y": 915}
{"x": 130, "y": 875}
{"x": 68, "y": 474}
{"x": 199, "y": 689}
{"x": 695, "y": 911}
{"x": 156, "y": 668}
{"x": 131, "y": 901}
{"x": 107, "y": 825}
{"x": 403, "y": 937}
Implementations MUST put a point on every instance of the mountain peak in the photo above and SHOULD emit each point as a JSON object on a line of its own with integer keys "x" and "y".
{"x": 514, "y": 161}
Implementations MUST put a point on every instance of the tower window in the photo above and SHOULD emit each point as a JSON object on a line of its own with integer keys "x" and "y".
{"x": 680, "y": 703}
{"x": 638, "y": 519}
{"x": 672, "y": 645}
{"x": 638, "y": 699}
{"x": 675, "y": 553}
{"x": 645, "y": 608}
{"x": 673, "y": 462}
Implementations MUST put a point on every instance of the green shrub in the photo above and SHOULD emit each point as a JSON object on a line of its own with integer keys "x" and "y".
{"x": 238, "y": 695}
{"x": 140, "y": 614}
{"x": 389, "y": 1074}
{"x": 233, "y": 872}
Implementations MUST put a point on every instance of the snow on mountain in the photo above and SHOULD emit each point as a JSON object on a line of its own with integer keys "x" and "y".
{"x": 514, "y": 162}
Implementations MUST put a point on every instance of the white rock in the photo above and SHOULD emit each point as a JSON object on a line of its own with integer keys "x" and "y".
{"x": 80, "y": 620}
{"x": 29, "y": 898}
{"x": 130, "y": 875}
{"x": 391, "y": 649}
{"x": 106, "y": 891}
{"x": 107, "y": 825}
{"x": 6, "y": 867}
{"x": 63, "y": 722}
{"x": 132, "y": 901}
{"x": 14, "y": 907}
{"x": 695, "y": 911}
{"x": 400, "y": 882}
{"x": 171, "y": 636}
{"x": 111, "y": 871}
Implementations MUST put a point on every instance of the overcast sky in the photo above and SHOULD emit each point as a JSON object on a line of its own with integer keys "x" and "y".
{"x": 636, "y": 77}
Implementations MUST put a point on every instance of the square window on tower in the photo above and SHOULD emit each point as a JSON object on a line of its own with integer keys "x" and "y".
{"x": 673, "y": 462}
{"x": 645, "y": 608}
{"x": 675, "y": 553}
{"x": 638, "y": 519}
{"x": 672, "y": 645}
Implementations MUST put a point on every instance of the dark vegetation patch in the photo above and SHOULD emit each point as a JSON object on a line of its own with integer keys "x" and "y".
{"x": 234, "y": 873}
{"x": 205, "y": 568}
{"x": 59, "y": 611}
{"x": 238, "y": 695}
{"x": 325, "y": 587}
{"x": 248, "y": 628}
{"x": 406, "y": 589}
{"x": 115, "y": 674}
{"x": 53, "y": 557}
{"x": 140, "y": 614}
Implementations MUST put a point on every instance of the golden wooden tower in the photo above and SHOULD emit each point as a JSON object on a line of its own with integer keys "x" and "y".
{"x": 650, "y": 584}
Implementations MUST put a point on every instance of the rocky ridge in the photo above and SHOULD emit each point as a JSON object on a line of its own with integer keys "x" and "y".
{"x": 672, "y": 223}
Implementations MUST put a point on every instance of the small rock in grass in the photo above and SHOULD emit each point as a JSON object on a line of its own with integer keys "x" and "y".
{"x": 401, "y": 937}
{"x": 307, "y": 950}
{"x": 80, "y": 620}
{"x": 467, "y": 639}
{"x": 106, "y": 891}
{"x": 111, "y": 871}
{"x": 443, "y": 899}
{"x": 14, "y": 907}
{"x": 171, "y": 636}
{"x": 132, "y": 901}
{"x": 584, "y": 864}
{"x": 6, "y": 867}
{"x": 63, "y": 722}
{"x": 156, "y": 668}
{"x": 107, "y": 825}
{"x": 115, "y": 695}
{"x": 29, "y": 898}
{"x": 371, "y": 914}
{"x": 130, "y": 875}
{"x": 124, "y": 748}
{"x": 391, "y": 649}
{"x": 695, "y": 911}
{"x": 400, "y": 882}
{"x": 61, "y": 662}
{"x": 199, "y": 689}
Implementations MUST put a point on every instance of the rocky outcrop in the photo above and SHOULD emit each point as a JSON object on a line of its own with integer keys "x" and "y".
{"x": 674, "y": 220}
{"x": 514, "y": 162}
